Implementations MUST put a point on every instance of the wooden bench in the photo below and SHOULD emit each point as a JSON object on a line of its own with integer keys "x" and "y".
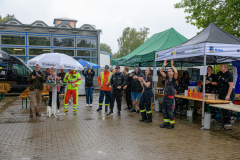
{"x": 46, "y": 98}
{"x": 25, "y": 95}
{"x": 4, "y": 88}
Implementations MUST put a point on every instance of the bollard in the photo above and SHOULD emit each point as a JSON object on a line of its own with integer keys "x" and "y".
{"x": 207, "y": 120}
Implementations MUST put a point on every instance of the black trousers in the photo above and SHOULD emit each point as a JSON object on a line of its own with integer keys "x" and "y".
{"x": 116, "y": 95}
{"x": 129, "y": 98}
{"x": 167, "y": 109}
{"x": 145, "y": 104}
{"x": 50, "y": 99}
{"x": 228, "y": 114}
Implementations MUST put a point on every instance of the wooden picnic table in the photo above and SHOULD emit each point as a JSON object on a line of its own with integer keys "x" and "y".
{"x": 208, "y": 101}
{"x": 224, "y": 107}
{"x": 4, "y": 88}
{"x": 26, "y": 94}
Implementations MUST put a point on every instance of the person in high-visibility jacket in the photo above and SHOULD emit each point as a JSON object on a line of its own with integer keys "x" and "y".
{"x": 74, "y": 80}
{"x": 105, "y": 88}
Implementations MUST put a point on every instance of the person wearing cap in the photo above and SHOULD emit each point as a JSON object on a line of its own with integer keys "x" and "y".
{"x": 105, "y": 88}
{"x": 117, "y": 82}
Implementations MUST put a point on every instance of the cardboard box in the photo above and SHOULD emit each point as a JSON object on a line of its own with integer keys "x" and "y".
{"x": 237, "y": 96}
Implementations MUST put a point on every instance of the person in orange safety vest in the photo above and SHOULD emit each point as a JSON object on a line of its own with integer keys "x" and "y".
{"x": 105, "y": 87}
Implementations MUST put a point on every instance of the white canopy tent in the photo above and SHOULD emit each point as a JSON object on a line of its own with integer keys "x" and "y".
{"x": 211, "y": 46}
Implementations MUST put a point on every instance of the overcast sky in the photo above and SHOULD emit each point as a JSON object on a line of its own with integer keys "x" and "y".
{"x": 108, "y": 15}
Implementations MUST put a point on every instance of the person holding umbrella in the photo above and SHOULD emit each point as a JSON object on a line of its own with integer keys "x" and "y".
{"x": 89, "y": 87}
{"x": 169, "y": 96}
{"x": 74, "y": 80}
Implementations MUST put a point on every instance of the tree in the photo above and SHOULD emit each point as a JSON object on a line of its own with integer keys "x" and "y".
{"x": 3, "y": 19}
{"x": 106, "y": 48}
{"x": 131, "y": 39}
{"x": 225, "y": 13}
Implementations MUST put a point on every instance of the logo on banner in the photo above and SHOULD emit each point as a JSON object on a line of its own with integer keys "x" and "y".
{"x": 196, "y": 48}
{"x": 219, "y": 50}
{"x": 68, "y": 66}
{"x": 49, "y": 64}
{"x": 211, "y": 49}
{"x": 156, "y": 56}
{"x": 32, "y": 63}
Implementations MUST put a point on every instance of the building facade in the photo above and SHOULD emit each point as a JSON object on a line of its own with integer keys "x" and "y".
{"x": 29, "y": 40}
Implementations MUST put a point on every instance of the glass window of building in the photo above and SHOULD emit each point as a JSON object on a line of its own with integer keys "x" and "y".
{"x": 67, "y": 52}
{"x": 17, "y": 51}
{"x": 34, "y": 51}
{"x": 13, "y": 40}
{"x": 39, "y": 41}
{"x": 86, "y": 53}
{"x": 86, "y": 43}
{"x": 63, "y": 42}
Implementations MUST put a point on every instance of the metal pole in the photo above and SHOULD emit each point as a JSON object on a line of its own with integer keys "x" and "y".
{"x": 215, "y": 69}
{"x": 154, "y": 84}
{"x": 203, "y": 102}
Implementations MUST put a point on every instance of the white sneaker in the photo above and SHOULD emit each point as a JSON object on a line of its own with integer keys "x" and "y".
{"x": 87, "y": 105}
{"x": 90, "y": 105}
{"x": 58, "y": 111}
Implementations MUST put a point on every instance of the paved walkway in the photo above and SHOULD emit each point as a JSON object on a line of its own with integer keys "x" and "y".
{"x": 93, "y": 135}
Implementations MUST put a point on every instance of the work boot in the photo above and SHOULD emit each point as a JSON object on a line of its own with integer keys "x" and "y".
{"x": 133, "y": 110}
{"x": 164, "y": 125}
{"x": 148, "y": 121}
{"x": 38, "y": 114}
{"x": 99, "y": 108}
{"x": 31, "y": 114}
{"x": 126, "y": 108}
{"x": 142, "y": 120}
{"x": 138, "y": 111}
{"x": 106, "y": 108}
{"x": 170, "y": 126}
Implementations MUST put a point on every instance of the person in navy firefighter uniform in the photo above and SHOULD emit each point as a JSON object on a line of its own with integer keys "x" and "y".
{"x": 169, "y": 96}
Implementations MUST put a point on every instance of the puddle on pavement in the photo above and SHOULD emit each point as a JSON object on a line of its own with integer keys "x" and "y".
{"x": 88, "y": 118}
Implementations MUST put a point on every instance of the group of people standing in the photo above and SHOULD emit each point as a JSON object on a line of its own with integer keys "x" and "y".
{"x": 112, "y": 83}
{"x": 137, "y": 86}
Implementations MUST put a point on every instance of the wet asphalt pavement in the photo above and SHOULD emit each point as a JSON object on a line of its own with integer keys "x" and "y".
{"x": 93, "y": 135}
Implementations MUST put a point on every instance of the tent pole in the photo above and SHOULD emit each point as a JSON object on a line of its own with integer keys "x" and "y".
{"x": 215, "y": 69}
{"x": 203, "y": 102}
{"x": 154, "y": 84}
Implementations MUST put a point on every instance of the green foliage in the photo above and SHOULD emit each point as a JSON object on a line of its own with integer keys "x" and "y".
{"x": 106, "y": 48}
{"x": 225, "y": 13}
{"x": 130, "y": 40}
{"x": 3, "y": 19}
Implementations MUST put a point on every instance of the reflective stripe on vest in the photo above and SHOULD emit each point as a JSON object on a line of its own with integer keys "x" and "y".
{"x": 102, "y": 77}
